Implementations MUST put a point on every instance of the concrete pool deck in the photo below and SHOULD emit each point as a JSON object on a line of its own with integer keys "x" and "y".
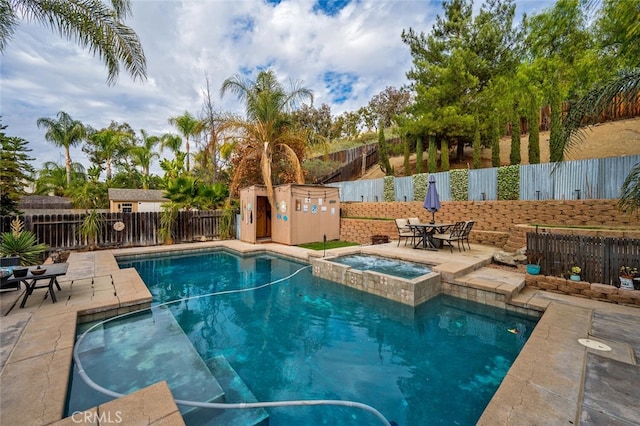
{"x": 554, "y": 380}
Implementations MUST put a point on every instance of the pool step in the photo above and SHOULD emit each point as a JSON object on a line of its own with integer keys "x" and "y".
{"x": 235, "y": 391}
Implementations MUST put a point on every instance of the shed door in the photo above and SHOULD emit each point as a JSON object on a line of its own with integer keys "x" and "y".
{"x": 263, "y": 218}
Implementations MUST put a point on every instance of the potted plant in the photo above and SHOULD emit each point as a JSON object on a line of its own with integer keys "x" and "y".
{"x": 575, "y": 273}
{"x": 627, "y": 275}
{"x": 533, "y": 266}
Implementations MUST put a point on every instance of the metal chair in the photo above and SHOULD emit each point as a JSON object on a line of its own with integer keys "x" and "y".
{"x": 455, "y": 233}
{"x": 467, "y": 230}
{"x": 404, "y": 231}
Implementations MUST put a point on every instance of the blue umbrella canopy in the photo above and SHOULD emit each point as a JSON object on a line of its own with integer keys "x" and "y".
{"x": 432, "y": 199}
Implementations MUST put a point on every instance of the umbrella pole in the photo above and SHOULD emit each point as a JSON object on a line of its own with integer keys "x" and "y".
{"x": 433, "y": 217}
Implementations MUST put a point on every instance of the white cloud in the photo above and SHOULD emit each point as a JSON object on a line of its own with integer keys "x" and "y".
{"x": 359, "y": 46}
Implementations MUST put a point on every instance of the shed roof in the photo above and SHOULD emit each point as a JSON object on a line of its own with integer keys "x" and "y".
{"x": 149, "y": 195}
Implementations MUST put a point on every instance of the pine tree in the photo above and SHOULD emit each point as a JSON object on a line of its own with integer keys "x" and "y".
{"x": 15, "y": 171}
{"x": 385, "y": 165}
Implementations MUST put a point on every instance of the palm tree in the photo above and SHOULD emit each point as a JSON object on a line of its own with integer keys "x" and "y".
{"x": 625, "y": 88}
{"x": 188, "y": 126}
{"x": 52, "y": 178}
{"x": 108, "y": 144}
{"x": 144, "y": 154}
{"x": 64, "y": 132}
{"x": 91, "y": 23}
{"x": 172, "y": 142}
{"x": 268, "y": 129}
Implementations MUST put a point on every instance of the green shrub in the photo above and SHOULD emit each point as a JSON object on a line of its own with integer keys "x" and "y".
{"x": 509, "y": 183}
{"x": 420, "y": 183}
{"x": 389, "y": 190}
{"x": 459, "y": 184}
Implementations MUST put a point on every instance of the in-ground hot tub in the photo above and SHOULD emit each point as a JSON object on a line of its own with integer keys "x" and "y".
{"x": 406, "y": 282}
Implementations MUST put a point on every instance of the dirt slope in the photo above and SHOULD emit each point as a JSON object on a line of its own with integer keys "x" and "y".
{"x": 612, "y": 139}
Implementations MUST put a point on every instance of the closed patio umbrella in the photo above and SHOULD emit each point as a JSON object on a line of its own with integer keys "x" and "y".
{"x": 432, "y": 199}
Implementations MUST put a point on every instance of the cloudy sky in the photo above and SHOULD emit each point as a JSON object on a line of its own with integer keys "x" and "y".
{"x": 345, "y": 51}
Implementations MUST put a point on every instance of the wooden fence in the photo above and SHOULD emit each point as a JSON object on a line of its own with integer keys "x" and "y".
{"x": 352, "y": 169}
{"x": 61, "y": 231}
{"x": 599, "y": 257}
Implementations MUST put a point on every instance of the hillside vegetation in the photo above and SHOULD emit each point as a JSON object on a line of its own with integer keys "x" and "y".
{"x": 612, "y": 139}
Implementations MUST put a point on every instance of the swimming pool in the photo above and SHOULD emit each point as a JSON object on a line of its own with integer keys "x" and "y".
{"x": 301, "y": 338}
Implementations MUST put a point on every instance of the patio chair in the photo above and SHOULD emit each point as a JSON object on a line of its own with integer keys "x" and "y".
{"x": 414, "y": 221}
{"x": 9, "y": 261}
{"x": 467, "y": 230}
{"x": 455, "y": 233}
{"x": 404, "y": 231}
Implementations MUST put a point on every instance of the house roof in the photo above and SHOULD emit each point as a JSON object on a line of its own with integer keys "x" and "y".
{"x": 149, "y": 195}
{"x": 44, "y": 202}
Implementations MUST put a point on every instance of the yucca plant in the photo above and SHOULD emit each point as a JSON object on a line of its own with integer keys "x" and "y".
{"x": 168, "y": 217}
{"x": 90, "y": 228}
{"x": 22, "y": 244}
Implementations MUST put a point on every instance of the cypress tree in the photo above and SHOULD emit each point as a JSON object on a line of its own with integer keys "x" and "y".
{"x": 514, "y": 157}
{"x": 432, "y": 165}
{"x": 477, "y": 148}
{"x": 444, "y": 155}
{"x": 385, "y": 165}
{"x": 419, "y": 154}
{"x": 495, "y": 142}
{"x": 534, "y": 132}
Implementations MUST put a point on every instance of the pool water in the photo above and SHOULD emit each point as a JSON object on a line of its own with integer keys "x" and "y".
{"x": 301, "y": 338}
{"x": 395, "y": 267}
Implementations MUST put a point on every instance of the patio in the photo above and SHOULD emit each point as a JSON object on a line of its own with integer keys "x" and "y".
{"x": 554, "y": 380}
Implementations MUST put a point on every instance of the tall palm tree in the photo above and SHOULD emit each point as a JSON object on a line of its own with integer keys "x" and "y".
{"x": 144, "y": 154}
{"x": 268, "y": 130}
{"x": 108, "y": 145}
{"x": 91, "y": 23}
{"x": 64, "y": 132}
{"x": 188, "y": 126}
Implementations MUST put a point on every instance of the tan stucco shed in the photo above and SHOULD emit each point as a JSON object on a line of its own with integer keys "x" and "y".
{"x": 305, "y": 214}
{"x": 135, "y": 200}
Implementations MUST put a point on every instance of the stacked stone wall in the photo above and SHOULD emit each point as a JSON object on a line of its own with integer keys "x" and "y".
{"x": 602, "y": 292}
{"x": 502, "y": 224}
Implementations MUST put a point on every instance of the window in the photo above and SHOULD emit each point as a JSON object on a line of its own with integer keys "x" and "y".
{"x": 127, "y": 208}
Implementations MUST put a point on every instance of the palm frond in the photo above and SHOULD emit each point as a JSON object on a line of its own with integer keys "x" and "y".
{"x": 97, "y": 27}
{"x": 623, "y": 89}
{"x": 629, "y": 201}
{"x": 8, "y": 23}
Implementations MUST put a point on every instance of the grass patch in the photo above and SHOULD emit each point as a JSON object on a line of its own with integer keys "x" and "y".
{"x": 329, "y": 245}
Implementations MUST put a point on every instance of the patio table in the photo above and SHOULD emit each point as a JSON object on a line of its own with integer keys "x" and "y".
{"x": 426, "y": 231}
{"x": 53, "y": 271}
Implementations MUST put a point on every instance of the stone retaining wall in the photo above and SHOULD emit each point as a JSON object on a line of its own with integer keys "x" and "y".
{"x": 498, "y": 223}
{"x": 602, "y": 292}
